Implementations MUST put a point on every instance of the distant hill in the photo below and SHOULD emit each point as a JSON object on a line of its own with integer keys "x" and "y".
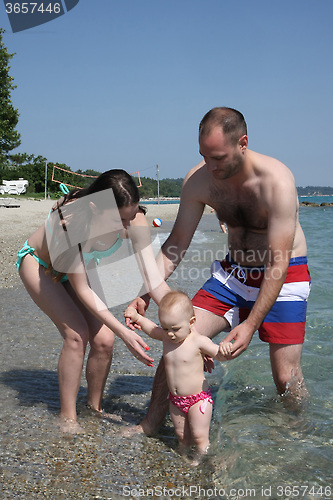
{"x": 169, "y": 188}
{"x": 315, "y": 190}
{"x": 172, "y": 188}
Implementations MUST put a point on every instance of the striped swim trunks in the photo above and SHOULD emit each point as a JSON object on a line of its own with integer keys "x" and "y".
{"x": 232, "y": 290}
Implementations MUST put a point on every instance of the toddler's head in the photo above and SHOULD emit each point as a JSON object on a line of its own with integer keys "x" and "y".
{"x": 176, "y": 315}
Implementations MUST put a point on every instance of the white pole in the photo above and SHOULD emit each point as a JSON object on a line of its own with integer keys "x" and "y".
{"x": 45, "y": 178}
{"x": 158, "y": 184}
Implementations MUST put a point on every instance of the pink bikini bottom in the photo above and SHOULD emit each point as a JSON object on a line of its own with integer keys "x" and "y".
{"x": 184, "y": 403}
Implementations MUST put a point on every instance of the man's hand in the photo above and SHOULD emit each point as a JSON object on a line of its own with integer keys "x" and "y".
{"x": 242, "y": 336}
{"x": 140, "y": 304}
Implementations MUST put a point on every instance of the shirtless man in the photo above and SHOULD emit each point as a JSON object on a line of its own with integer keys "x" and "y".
{"x": 266, "y": 266}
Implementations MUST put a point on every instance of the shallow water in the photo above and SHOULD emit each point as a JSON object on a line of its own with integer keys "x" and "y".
{"x": 262, "y": 446}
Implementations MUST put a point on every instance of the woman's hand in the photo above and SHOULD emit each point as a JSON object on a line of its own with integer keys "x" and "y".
{"x": 136, "y": 345}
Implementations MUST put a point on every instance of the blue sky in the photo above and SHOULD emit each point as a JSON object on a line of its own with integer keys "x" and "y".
{"x": 125, "y": 83}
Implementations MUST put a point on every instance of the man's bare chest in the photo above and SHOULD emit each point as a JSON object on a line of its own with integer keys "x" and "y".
{"x": 239, "y": 209}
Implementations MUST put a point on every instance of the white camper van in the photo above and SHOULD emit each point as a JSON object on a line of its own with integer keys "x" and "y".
{"x": 14, "y": 187}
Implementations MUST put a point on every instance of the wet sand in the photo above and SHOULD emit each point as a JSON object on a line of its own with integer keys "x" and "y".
{"x": 36, "y": 460}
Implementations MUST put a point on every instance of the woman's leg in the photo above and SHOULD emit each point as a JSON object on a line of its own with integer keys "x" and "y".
{"x": 101, "y": 340}
{"x": 98, "y": 365}
{"x": 54, "y": 300}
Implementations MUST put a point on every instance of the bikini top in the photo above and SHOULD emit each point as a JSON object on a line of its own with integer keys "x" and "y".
{"x": 96, "y": 255}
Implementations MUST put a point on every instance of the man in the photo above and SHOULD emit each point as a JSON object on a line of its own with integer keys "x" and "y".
{"x": 264, "y": 282}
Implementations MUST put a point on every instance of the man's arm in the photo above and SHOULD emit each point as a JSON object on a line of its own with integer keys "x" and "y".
{"x": 282, "y": 220}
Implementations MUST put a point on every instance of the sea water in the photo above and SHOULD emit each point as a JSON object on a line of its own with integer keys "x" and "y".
{"x": 262, "y": 442}
{"x": 262, "y": 445}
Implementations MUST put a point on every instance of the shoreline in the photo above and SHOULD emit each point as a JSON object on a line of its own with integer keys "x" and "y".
{"x": 313, "y": 204}
{"x": 23, "y": 216}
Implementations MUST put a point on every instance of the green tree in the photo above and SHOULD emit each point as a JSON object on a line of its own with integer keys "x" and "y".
{"x": 9, "y": 137}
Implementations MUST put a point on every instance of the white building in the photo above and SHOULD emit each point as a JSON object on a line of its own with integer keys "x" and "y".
{"x": 14, "y": 187}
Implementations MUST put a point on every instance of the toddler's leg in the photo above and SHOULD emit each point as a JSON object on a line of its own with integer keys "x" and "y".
{"x": 199, "y": 424}
{"x": 180, "y": 422}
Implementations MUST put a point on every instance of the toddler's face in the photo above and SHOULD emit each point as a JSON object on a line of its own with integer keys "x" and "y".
{"x": 176, "y": 325}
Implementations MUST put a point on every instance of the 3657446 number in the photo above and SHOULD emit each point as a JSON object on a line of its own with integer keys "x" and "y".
{"x": 301, "y": 491}
{"x": 32, "y": 7}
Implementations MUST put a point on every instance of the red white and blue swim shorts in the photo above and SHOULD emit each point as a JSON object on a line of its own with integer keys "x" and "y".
{"x": 232, "y": 290}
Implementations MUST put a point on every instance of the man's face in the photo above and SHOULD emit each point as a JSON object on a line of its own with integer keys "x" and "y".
{"x": 223, "y": 159}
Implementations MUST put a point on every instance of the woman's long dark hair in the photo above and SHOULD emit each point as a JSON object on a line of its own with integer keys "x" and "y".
{"x": 122, "y": 184}
{"x": 78, "y": 217}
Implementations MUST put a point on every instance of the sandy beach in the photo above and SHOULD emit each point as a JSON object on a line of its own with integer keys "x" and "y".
{"x": 17, "y": 224}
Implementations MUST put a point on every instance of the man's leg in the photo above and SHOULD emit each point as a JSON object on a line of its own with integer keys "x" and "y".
{"x": 208, "y": 324}
{"x": 286, "y": 369}
{"x": 159, "y": 402}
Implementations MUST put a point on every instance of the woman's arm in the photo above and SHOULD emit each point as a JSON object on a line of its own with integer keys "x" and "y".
{"x": 96, "y": 306}
{"x": 152, "y": 275}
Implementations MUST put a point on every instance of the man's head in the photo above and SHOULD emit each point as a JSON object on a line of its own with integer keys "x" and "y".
{"x": 230, "y": 121}
{"x": 223, "y": 141}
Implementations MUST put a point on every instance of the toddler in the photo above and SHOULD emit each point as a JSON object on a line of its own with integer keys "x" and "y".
{"x": 183, "y": 351}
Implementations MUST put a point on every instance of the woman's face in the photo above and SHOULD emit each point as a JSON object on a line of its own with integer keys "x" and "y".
{"x": 127, "y": 214}
{"x": 112, "y": 219}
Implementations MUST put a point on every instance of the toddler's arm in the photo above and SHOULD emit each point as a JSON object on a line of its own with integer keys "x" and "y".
{"x": 208, "y": 347}
{"x": 148, "y": 326}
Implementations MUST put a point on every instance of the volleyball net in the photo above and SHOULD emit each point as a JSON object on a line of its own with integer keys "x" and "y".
{"x": 80, "y": 181}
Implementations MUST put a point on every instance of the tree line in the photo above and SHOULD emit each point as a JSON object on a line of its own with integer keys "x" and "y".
{"x": 33, "y": 168}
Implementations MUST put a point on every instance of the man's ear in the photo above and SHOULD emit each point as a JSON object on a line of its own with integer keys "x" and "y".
{"x": 192, "y": 320}
{"x": 243, "y": 142}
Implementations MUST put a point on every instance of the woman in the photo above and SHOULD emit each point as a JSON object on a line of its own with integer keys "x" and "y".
{"x": 53, "y": 267}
